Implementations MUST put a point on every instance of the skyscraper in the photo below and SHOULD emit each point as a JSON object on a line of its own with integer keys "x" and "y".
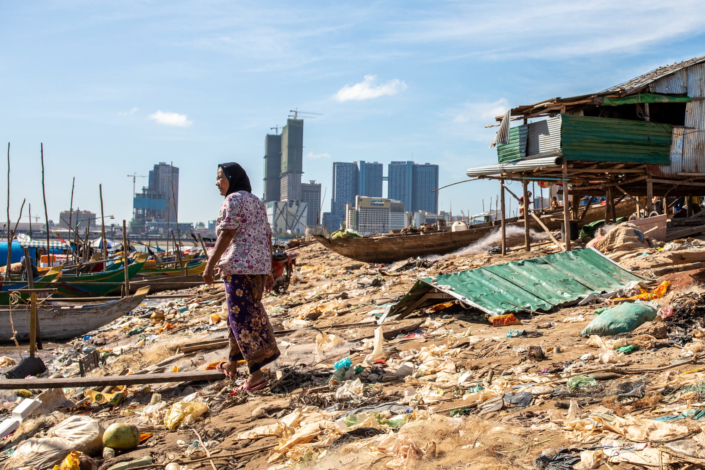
{"x": 400, "y": 179}
{"x": 425, "y": 182}
{"x": 370, "y": 178}
{"x": 345, "y": 187}
{"x": 292, "y": 150}
{"x": 272, "y": 167}
{"x": 413, "y": 184}
{"x": 164, "y": 180}
{"x": 311, "y": 195}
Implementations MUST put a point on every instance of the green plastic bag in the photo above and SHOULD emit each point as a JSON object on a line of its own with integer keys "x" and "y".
{"x": 581, "y": 381}
{"x": 621, "y": 319}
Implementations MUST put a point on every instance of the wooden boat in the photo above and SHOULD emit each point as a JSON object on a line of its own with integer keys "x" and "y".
{"x": 161, "y": 284}
{"x": 96, "y": 284}
{"x": 193, "y": 268}
{"x": 40, "y": 282}
{"x": 62, "y": 322}
{"x": 390, "y": 248}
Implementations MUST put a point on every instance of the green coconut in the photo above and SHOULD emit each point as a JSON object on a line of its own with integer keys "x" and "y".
{"x": 121, "y": 436}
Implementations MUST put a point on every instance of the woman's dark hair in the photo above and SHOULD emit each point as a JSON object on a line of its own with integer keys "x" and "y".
{"x": 237, "y": 177}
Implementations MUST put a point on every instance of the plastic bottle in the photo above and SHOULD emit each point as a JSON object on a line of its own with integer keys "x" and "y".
{"x": 108, "y": 453}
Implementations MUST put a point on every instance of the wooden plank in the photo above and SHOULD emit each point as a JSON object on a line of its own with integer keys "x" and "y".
{"x": 202, "y": 347}
{"x": 504, "y": 220}
{"x": 198, "y": 375}
{"x": 684, "y": 233}
{"x": 543, "y": 226}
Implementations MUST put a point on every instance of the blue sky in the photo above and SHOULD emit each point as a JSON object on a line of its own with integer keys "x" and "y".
{"x": 113, "y": 87}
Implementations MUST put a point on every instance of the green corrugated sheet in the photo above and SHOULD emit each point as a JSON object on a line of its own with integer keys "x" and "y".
{"x": 533, "y": 284}
{"x": 646, "y": 98}
{"x": 615, "y": 140}
{"x": 516, "y": 148}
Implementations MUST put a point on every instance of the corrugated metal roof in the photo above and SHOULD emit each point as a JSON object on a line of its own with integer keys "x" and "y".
{"x": 597, "y": 139}
{"x": 650, "y": 77}
{"x": 516, "y": 148}
{"x": 544, "y": 136}
{"x": 533, "y": 284}
{"x": 673, "y": 84}
{"x": 517, "y": 166}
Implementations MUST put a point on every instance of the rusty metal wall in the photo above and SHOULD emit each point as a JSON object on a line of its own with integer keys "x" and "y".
{"x": 676, "y": 83}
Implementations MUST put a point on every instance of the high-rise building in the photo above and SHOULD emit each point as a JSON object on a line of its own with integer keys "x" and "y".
{"x": 292, "y": 154}
{"x": 370, "y": 178}
{"x": 374, "y": 215}
{"x": 311, "y": 195}
{"x": 345, "y": 187}
{"x": 400, "y": 179}
{"x": 424, "y": 184}
{"x": 83, "y": 218}
{"x": 272, "y": 167}
{"x": 159, "y": 201}
{"x": 413, "y": 184}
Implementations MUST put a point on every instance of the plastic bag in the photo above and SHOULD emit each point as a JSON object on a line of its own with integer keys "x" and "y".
{"x": 184, "y": 412}
{"x": 74, "y": 460}
{"x": 80, "y": 433}
{"x": 581, "y": 381}
{"x": 621, "y": 319}
{"x": 504, "y": 320}
{"x": 349, "y": 389}
{"x": 378, "y": 350}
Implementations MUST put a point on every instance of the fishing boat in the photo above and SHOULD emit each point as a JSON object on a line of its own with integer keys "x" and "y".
{"x": 96, "y": 284}
{"x": 396, "y": 247}
{"x": 165, "y": 283}
{"x": 62, "y": 322}
{"x": 40, "y": 282}
{"x": 192, "y": 268}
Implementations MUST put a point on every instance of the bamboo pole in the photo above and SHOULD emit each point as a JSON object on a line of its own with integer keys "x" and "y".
{"x": 504, "y": 222}
{"x": 73, "y": 186}
{"x": 124, "y": 259}
{"x": 203, "y": 245}
{"x": 102, "y": 229}
{"x": 178, "y": 253}
{"x": 30, "y": 220}
{"x": 566, "y": 213}
{"x": 9, "y": 222}
{"x": 46, "y": 213}
{"x": 8, "y": 269}
{"x": 35, "y": 339}
{"x": 527, "y": 235}
{"x": 176, "y": 217}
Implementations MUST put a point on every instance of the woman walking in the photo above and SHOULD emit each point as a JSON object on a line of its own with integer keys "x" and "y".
{"x": 243, "y": 254}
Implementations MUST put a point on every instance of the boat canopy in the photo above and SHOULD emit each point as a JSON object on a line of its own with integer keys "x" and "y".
{"x": 527, "y": 164}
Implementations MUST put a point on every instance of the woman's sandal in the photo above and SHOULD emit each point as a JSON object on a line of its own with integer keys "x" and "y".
{"x": 245, "y": 387}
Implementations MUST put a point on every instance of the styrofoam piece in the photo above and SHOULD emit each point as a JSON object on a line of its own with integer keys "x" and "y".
{"x": 8, "y": 426}
{"x": 25, "y": 408}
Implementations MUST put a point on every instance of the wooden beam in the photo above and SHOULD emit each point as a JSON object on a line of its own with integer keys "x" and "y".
{"x": 197, "y": 375}
{"x": 587, "y": 208}
{"x": 634, "y": 199}
{"x": 649, "y": 196}
{"x": 605, "y": 185}
{"x": 560, "y": 245}
{"x": 504, "y": 220}
{"x": 676, "y": 182}
{"x": 684, "y": 233}
{"x": 566, "y": 213}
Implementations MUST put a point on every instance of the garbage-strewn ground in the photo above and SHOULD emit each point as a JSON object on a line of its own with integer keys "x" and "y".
{"x": 453, "y": 392}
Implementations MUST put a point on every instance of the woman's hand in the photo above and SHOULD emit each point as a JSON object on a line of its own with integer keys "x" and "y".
{"x": 208, "y": 274}
{"x": 269, "y": 283}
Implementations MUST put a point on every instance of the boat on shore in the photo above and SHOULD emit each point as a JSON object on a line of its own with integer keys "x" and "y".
{"x": 96, "y": 284}
{"x": 63, "y": 322}
{"x": 395, "y": 247}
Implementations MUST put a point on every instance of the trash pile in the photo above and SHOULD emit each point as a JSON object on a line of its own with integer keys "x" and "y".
{"x": 611, "y": 379}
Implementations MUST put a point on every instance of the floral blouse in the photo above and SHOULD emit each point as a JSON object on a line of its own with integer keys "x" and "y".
{"x": 248, "y": 252}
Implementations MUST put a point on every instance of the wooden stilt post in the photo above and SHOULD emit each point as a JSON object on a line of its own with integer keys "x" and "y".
{"x": 607, "y": 206}
{"x": 504, "y": 223}
{"x": 527, "y": 235}
{"x": 566, "y": 213}
{"x": 649, "y": 196}
{"x": 102, "y": 230}
{"x": 8, "y": 274}
{"x": 612, "y": 208}
{"x": 124, "y": 258}
{"x": 689, "y": 206}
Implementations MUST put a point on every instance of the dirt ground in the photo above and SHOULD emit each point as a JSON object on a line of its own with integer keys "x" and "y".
{"x": 454, "y": 403}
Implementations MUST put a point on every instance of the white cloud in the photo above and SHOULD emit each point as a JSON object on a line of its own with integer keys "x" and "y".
{"x": 366, "y": 89}
{"x": 469, "y": 120}
{"x": 317, "y": 155}
{"x": 481, "y": 112}
{"x": 170, "y": 119}
{"x": 128, "y": 113}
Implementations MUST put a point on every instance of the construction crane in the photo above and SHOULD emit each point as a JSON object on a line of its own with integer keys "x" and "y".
{"x": 297, "y": 112}
{"x": 276, "y": 129}
{"x": 134, "y": 182}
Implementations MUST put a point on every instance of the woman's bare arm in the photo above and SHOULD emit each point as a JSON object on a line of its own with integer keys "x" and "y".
{"x": 221, "y": 244}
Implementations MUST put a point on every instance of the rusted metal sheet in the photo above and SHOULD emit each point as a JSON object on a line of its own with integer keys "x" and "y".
{"x": 673, "y": 84}
{"x": 696, "y": 81}
{"x": 694, "y": 137}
